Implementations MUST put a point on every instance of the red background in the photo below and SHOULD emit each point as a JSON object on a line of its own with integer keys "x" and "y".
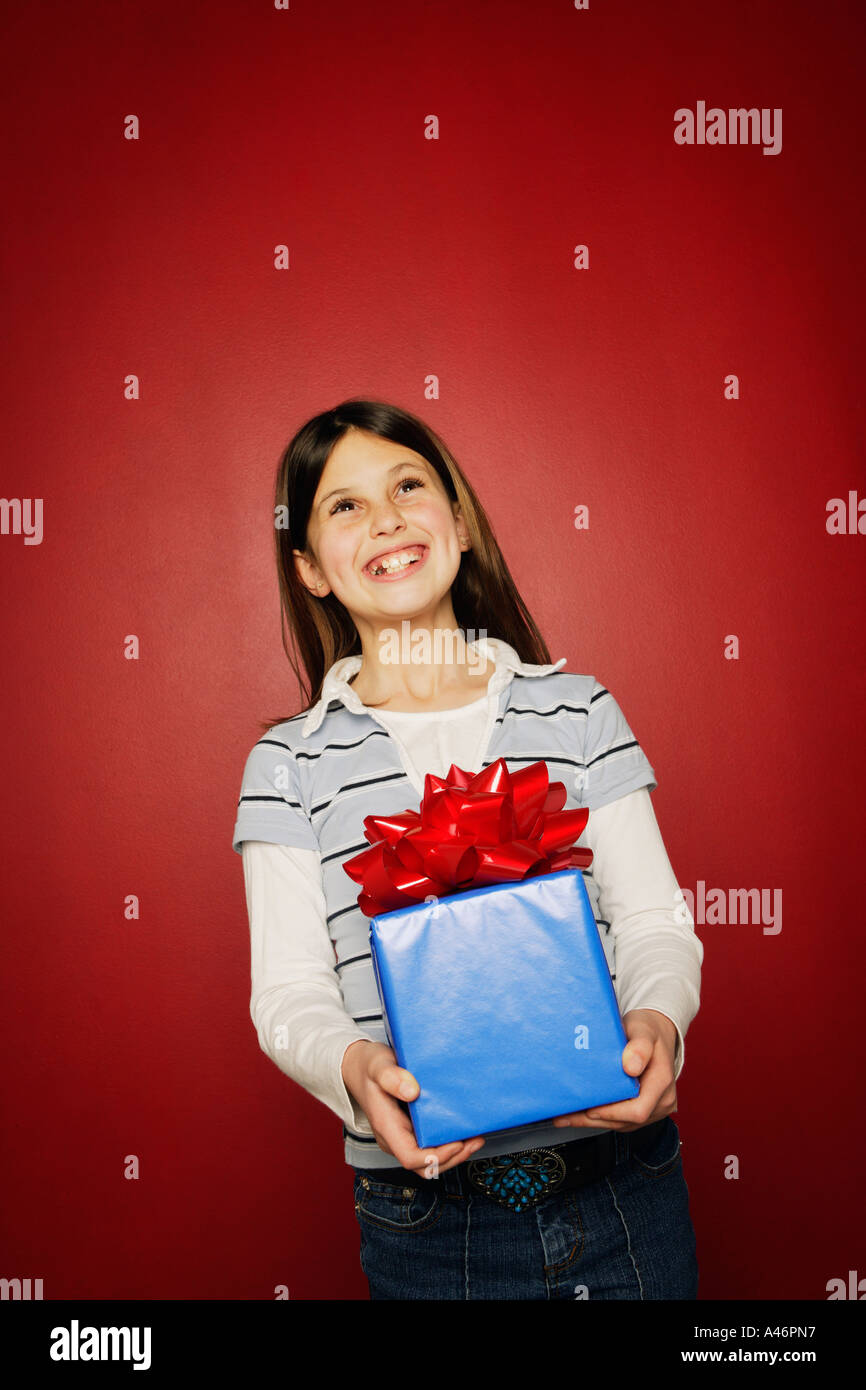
{"x": 411, "y": 257}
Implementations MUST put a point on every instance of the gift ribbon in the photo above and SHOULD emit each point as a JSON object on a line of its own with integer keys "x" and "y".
{"x": 471, "y": 831}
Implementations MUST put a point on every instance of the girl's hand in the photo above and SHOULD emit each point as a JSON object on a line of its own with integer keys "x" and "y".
{"x": 652, "y": 1039}
{"x": 373, "y": 1077}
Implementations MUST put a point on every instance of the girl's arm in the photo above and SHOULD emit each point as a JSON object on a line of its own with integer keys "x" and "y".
{"x": 296, "y": 1003}
{"x": 658, "y": 958}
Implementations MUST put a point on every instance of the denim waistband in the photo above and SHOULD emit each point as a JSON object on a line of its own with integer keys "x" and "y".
{"x": 620, "y": 1143}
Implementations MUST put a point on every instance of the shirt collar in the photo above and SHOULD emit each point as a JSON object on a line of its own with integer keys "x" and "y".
{"x": 336, "y": 686}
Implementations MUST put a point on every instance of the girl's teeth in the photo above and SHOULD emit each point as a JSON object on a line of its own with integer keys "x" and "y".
{"x": 396, "y": 562}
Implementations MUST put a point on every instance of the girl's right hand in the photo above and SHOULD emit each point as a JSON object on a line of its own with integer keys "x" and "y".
{"x": 373, "y": 1077}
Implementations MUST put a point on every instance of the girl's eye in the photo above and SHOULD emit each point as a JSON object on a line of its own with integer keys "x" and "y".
{"x": 347, "y": 501}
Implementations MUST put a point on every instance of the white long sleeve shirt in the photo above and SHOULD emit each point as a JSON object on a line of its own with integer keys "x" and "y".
{"x": 296, "y": 1000}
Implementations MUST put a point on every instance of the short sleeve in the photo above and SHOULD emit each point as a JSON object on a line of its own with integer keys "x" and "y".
{"x": 270, "y": 806}
{"x": 614, "y": 761}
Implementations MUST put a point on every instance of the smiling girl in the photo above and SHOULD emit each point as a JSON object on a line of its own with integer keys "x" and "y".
{"x": 380, "y": 533}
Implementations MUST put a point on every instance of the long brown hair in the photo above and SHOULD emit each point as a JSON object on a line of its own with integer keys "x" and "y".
{"x": 483, "y": 595}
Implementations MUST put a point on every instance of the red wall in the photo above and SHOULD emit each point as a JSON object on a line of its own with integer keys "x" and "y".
{"x": 557, "y": 386}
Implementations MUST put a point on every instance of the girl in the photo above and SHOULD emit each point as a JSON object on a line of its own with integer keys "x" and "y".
{"x": 381, "y": 537}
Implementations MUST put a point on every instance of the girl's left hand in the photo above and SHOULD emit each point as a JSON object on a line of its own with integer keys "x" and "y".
{"x": 649, "y": 1055}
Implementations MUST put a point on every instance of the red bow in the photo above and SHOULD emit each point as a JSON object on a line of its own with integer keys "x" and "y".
{"x": 495, "y": 827}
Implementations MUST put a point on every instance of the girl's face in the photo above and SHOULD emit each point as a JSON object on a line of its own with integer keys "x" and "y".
{"x": 375, "y": 496}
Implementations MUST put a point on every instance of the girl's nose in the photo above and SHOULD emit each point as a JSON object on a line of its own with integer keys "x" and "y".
{"x": 385, "y": 517}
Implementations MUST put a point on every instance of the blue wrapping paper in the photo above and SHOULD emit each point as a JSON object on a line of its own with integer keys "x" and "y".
{"x": 500, "y": 1003}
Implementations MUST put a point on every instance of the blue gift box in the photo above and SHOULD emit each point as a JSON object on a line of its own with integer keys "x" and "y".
{"x": 500, "y": 1003}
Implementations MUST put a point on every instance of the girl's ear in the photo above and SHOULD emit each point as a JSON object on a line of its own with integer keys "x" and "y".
{"x": 309, "y": 575}
{"x": 462, "y": 532}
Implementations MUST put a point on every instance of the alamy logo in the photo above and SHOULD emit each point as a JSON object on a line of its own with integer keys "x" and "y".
{"x": 101, "y": 1344}
{"x": 22, "y": 516}
{"x": 854, "y": 1289}
{"x": 24, "y": 1289}
{"x": 737, "y": 126}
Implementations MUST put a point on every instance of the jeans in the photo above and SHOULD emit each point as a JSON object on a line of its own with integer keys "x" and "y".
{"x": 625, "y": 1235}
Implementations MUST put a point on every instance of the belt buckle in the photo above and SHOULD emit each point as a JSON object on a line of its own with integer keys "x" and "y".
{"x": 518, "y": 1181}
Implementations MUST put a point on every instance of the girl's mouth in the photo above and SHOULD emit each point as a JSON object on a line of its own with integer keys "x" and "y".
{"x": 397, "y": 565}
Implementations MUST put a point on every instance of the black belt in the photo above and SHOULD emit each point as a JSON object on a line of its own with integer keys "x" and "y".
{"x": 520, "y": 1180}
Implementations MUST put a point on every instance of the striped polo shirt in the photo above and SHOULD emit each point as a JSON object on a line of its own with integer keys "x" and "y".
{"x": 310, "y": 781}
